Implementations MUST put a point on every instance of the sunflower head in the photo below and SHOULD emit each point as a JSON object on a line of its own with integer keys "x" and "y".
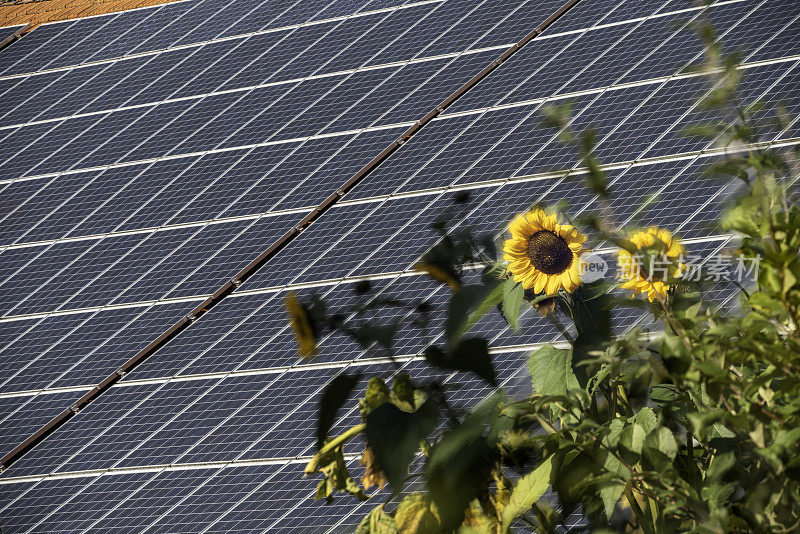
{"x": 543, "y": 255}
{"x": 300, "y": 319}
{"x": 662, "y": 251}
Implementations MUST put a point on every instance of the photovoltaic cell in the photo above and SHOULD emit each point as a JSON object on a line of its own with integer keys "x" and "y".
{"x": 78, "y": 350}
{"x": 501, "y": 153}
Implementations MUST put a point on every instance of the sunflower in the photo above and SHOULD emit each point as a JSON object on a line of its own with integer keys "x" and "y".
{"x": 659, "y": 242}
{"x": 301, "y": 323}
{"x": 543, "y": 254}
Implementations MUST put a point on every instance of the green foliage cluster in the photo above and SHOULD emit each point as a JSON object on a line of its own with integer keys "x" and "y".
{"x": 693, "y": 426}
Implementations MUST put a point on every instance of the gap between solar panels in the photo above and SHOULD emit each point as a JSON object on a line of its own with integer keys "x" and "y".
{"x": 276, "y": 247}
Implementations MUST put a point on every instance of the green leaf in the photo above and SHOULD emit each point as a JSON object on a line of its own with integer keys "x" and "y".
{"x": 632, "y": 438}
{"x": 551, "y": 371}
{"x": 512, "y": 302}
{"x": 660, "y": 445}
{"x": 491, "y": 300}
{"x": 471, "y": 354}
{"x": 528, "y": 490}
{"x": 461, "y": 305}
{"x": 377, "y": 522}
{"x": 333, "y": 397}
{"x": 394, "y": 437}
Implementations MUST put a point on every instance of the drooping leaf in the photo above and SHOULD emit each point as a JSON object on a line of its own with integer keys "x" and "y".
{"x": 377, "y": 522}
{"x": 394, "y": 437}
{"x": 417, "y": 513}
{"x": 333, "y": 397}
{"x": 528, "y": 490}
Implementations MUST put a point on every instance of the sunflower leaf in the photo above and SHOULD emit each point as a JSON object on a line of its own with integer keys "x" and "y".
{"x": 512, "y": 302}
{"x": 394, "y": 437}
{"x": 528, "y": 490}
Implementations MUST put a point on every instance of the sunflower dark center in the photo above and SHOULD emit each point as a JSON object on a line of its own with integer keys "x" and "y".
{"x": 549, "y": 253}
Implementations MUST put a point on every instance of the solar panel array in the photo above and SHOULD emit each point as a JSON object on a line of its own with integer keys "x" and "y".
{"x": 148, "y": 156}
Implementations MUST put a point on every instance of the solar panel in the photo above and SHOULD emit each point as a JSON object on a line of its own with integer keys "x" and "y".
{"x": 149, "y": 156}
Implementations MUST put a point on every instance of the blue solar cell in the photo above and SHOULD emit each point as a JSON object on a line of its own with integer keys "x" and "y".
{"x": 679, "y": 49}
{"x": 219, "y": 16}
{"x": 71, "y": 47}
{"x": 34, "y": 501}
{"x": 341, "y": 8}
{"x": 214, "y": 497}
{"x": 410, "y": 44}
{"x": 271, "y": 65}
{"x": 125, "y": 130}
{"x": 634, "y": 9}
{"x": 241, "y": 54}
{"x": 16, "y": 140}
{"x": 26, "y": 54}
{"x": 472, "y": 25}
{"x": 765, "y": 22}
{"x": 270, "y": 173}
{"x": 61, "y": 147}
{"x": 412, "y": 156}
{"x": 167, "y": 82}
{"x": 222, "y": 265}
{"x": 32, "y": 413}
{"x": 400, "y": 82}
{"x": 176, "y": 136}
{"x": 782, "y": 44}
{"x": 334, "y": 172}
{"x": 378, "y": 37}
{"x": 35, "y": 199}
{"x": 270, "y": 14}
{"x": 93, "y": 47}
{"x": 189, "y": 178}
{"x": 192, "y": 21}
{"x": 228, "y": 336}
{"x": 431, "y": 93}
{"x": 25, "y": 342}
{"x": 519, "y": 23}
{"x": 156, "y": 32}
{"x": 71, "y": 273}
{"x": 585, "y": 15}
{"x": 337, "y": 42}
{"x": 523, "y": 68}
{"x": 23, "y": 89}
{"x": 148, "y": 70}
{"x": 105, "y": 77}
{"x": 228, "y": 176}
{"x": 265, "y": 122}
{"x": 326, "y": 109}
{"x": 100, "y": 496}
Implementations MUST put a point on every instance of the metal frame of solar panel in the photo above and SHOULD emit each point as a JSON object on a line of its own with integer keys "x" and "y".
{"x": 159, "y": 164}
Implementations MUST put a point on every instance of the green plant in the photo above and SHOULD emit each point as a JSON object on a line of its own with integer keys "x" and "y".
{"x": 693, "y": 426}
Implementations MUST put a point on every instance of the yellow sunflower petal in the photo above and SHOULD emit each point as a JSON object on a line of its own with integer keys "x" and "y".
{"x": 552, "y": 285}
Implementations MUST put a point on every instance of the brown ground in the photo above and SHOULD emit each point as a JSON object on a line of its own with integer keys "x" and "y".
{"x": 35, "y": 12}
